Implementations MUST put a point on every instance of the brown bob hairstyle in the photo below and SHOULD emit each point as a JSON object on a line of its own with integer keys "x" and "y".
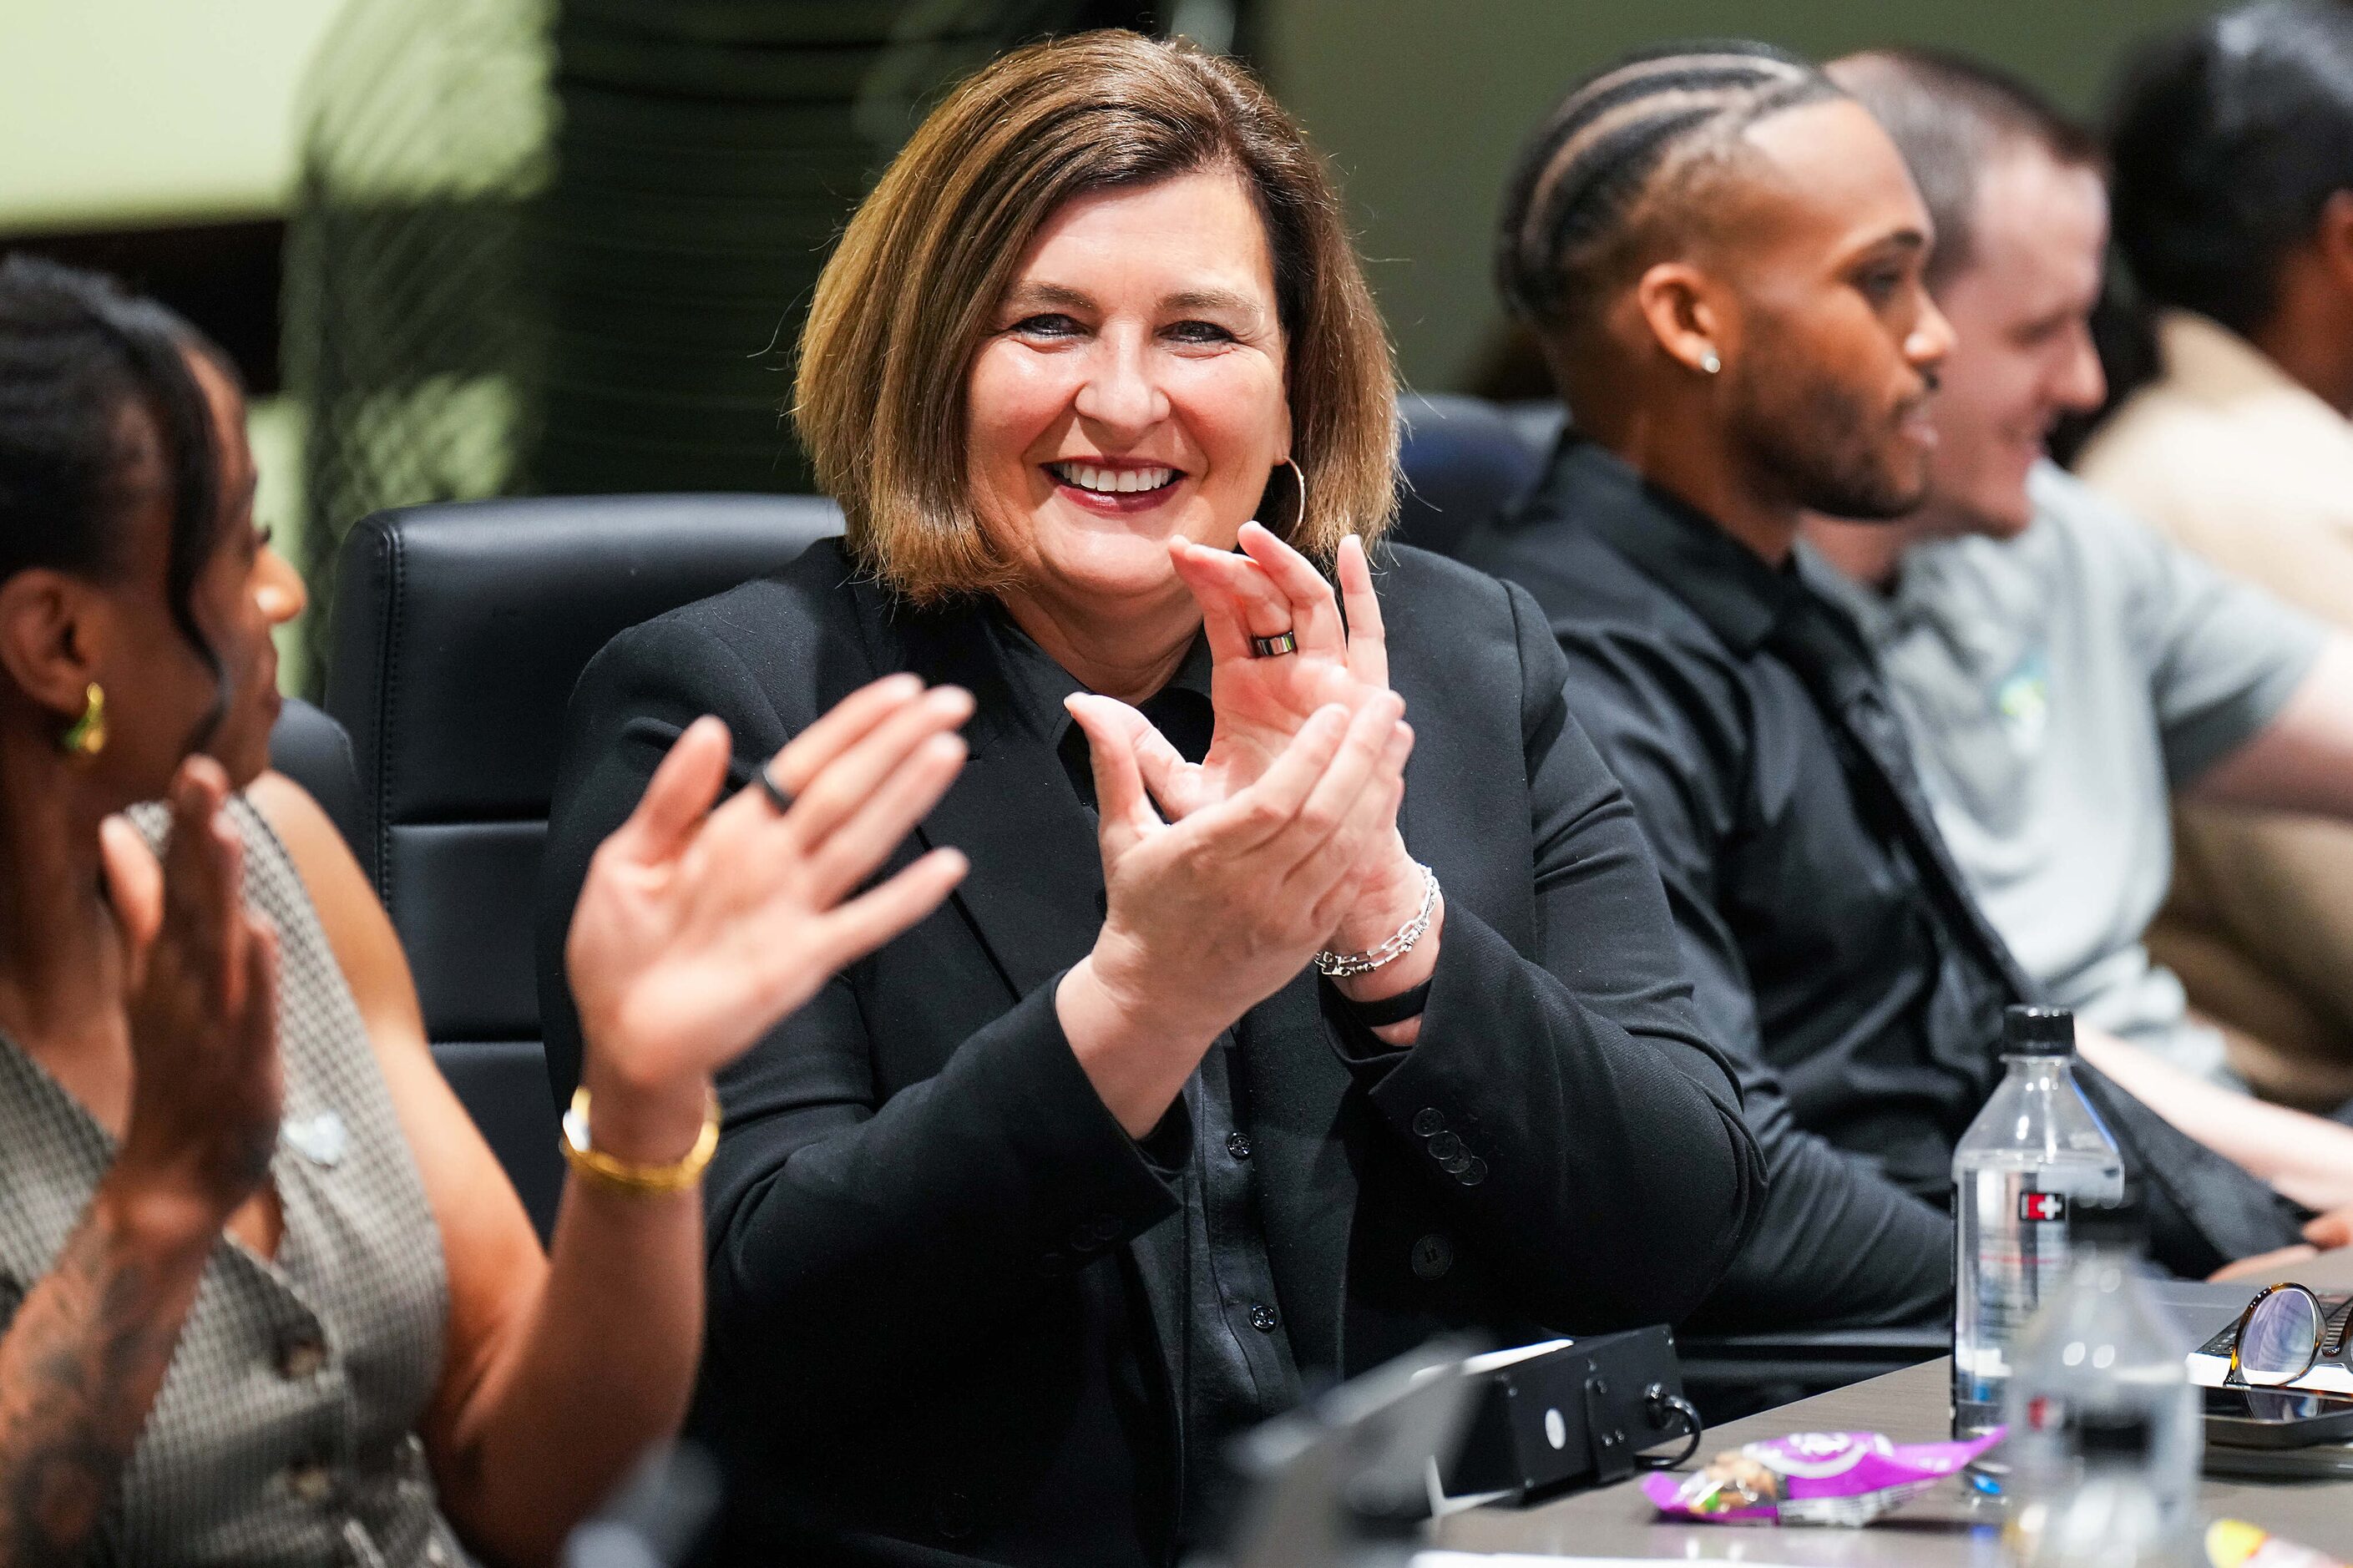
{"x": 908, "y": 296}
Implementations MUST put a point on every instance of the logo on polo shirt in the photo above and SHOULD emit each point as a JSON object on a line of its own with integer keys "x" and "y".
{"x": 2023, "y": 700}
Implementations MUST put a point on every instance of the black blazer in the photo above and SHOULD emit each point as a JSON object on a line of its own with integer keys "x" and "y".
{"x": 927, "y": 1342}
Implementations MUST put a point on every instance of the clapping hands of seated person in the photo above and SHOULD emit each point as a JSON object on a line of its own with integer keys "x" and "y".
{"x": 699, "y": 926}
{"x": 212, "y": 1051}
{"x": 206, "y": 1086}
{"x": 1211, "y": 914}
{"x": 1262, "y": 700}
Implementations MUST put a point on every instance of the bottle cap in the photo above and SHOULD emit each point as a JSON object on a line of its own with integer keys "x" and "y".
{"x": 2117, "y": 1224}
{"x": 2038, "y": 1032}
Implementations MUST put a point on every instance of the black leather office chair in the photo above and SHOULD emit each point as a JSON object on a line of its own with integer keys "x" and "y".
{"x": 459, "y": 630}
{"x": 1464, "y": 460}
{"x": 311, "y": 749}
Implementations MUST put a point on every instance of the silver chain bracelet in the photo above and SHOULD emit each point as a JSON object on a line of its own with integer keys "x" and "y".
{"x": 1340, "y": 965}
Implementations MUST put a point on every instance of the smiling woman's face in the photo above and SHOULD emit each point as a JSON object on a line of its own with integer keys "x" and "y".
{"x": 1130, "y": 391}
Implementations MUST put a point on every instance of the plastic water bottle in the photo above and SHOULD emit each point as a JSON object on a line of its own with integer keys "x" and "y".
{"x": 2105, "y": 1436}
{"x": 2034, "y": 1153}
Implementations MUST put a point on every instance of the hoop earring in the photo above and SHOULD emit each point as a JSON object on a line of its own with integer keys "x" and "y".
{"x": 1301, "y": 475}
{"x": 86, "y": 737}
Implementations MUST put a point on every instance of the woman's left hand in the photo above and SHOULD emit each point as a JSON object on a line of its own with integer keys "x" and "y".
{"x": 1260, "y": 702}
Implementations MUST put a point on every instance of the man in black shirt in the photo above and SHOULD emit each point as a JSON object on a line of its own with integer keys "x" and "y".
{"x": 1722, "y": 255}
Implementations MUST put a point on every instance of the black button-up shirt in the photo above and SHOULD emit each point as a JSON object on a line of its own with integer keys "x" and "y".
{"x": 1206, "y": 1270}
{"x": 1831, "y": 949}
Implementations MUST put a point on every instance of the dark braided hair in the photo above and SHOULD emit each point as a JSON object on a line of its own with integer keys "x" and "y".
{"x": 2229, "y": 139}
{"x": 78, "y": 353}
{"x": 1578, "y": 211}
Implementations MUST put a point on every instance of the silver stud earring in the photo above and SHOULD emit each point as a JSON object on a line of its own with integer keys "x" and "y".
{"x": 1709, "y": 363}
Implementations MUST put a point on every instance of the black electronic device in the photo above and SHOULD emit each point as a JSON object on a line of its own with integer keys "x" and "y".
{"x": 2276, "y": 1418}
{"x": 1572, "y": 1412}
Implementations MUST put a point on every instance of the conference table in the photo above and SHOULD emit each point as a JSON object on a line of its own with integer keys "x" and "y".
{"x": 1948, "y": 1525}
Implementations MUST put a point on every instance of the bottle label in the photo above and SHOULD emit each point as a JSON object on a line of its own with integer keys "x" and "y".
{"x": 2012, "y": 1239}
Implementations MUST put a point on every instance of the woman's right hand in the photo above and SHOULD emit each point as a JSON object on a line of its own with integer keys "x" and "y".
{"x": 703, "y": 923}
{"x": 206, "y": 1080}
{"x": 1210, "y": 915}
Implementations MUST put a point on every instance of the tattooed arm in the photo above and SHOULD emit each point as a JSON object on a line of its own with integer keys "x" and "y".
{"x": 80, "y": 1365}
{"x": 83, "y": 1358}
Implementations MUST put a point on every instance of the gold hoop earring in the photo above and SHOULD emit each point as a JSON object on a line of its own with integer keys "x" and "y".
{"x": 86, "y": 737}
{"x": 1301, "y": 475}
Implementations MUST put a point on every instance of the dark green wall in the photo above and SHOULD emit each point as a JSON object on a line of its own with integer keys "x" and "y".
{"x": 1422, "y": 103}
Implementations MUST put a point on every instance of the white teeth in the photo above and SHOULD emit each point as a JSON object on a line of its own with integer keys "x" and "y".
{"x": 1113, "y": 482}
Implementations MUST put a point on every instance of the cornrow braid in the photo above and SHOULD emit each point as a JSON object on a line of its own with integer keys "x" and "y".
{"x": 1576, "y": 200}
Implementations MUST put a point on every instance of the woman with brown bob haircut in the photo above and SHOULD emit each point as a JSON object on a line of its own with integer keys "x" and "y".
{"x": 1266, "y": 1035}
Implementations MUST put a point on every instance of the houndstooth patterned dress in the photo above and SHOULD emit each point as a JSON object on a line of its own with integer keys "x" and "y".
{"x": 285, "y": 1430}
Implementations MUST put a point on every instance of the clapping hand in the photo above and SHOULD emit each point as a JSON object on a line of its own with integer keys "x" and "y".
{"x": 1261, "y": 702}
{"x": 1211, "y": 914}
{"x": 207, "y": 1083}
{"x": 698, "y": 928}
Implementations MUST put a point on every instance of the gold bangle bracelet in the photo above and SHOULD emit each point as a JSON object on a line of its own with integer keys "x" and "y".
{"x": 646, "y": 1181}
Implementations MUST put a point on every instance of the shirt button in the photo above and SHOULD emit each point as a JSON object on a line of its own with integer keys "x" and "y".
{"x": 1263, "y": 1319}
{"x": 1426, "y": 1122}
{"x": 1473, "y": 1173}
{"x": 1434, "y": 1255}
{"x": 1237, "y": 1146}
{"x": 1054, "y": 1265}
{"x": 300, "y": 1358}
{"x": 1445, "y": 1147}
{"x": 436, "y": 1555}
{"x": 309, "y": 1481}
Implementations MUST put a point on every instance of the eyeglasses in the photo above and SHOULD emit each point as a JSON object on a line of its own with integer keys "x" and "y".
{"x": 2284, "y": 1334}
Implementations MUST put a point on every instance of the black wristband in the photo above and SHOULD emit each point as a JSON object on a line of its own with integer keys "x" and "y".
{"x": 1388, "y": 1010}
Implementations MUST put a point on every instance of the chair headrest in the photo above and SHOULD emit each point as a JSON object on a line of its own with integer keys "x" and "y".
{"x": 460, "y": 628}
{"x": 1464, "y": 460}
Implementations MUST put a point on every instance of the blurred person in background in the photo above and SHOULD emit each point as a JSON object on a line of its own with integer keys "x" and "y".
{"x": 1267, "y": 1037}
{"x": 2232, "y": 182}
{"x": 2062, "y": 669}
{"x": 265, "y": 1295}
{"x": 1723, "y": 256}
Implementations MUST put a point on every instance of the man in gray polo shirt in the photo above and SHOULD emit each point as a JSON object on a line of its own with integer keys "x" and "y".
{"x": 2063, "y": 671}
{"x": 2059, "y": 685}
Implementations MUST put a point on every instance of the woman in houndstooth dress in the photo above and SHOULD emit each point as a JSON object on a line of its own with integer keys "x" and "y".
{"x": 265, "y": 1295}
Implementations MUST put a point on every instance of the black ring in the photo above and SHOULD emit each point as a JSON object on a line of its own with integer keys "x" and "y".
{"x": 1274, "y": 646}
{"x": 774, "y": 791}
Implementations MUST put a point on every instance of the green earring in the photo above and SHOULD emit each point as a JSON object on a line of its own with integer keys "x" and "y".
{"x": 86, "y": 736}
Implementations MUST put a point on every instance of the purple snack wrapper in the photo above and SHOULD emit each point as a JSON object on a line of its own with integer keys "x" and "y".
{"x": 1812, "y": 1478}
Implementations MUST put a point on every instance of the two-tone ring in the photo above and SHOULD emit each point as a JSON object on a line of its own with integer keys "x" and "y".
{"x": 1276, "y": 646}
